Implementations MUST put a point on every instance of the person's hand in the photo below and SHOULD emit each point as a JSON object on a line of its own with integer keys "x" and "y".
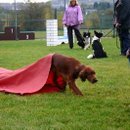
{"x": 117, "y": 25}
{"x": 128, "y": 53}
{"x": 80, "y": 22}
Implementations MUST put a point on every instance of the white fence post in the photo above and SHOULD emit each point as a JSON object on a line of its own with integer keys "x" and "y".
{"x": 52, "y": 32}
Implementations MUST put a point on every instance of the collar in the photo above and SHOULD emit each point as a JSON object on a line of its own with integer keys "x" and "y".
{"x": 95, "y": 38}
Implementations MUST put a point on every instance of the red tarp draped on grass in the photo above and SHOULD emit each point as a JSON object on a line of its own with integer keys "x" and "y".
{"x": 34, "y": 78}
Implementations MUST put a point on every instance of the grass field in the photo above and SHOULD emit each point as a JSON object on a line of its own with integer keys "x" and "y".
{"x": 104, "y": 106}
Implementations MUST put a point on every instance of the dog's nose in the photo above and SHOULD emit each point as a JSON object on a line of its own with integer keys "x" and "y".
{"x": 94, "y": 80}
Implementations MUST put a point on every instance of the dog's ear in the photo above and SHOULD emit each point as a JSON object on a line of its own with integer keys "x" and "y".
{"x": 98, "y": 34}
{"x": 77, "y": 70}
{"x": 87, "y": 73}
{"x": 95, "y": 32}
{"x": 89, "y": 34}
{"x": 84, "y": 34}
{"x": 83, "y": 75}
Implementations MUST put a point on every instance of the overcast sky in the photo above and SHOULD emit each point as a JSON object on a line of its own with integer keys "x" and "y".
{"x": 12, "y": 1}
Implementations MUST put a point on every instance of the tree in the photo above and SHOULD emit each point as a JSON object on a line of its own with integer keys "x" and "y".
{"x": 34, "y": 15}
{"x": 101, "y": 5}
{"x": 93, "y": 20}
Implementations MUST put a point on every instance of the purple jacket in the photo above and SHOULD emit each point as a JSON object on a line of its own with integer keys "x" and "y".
{"x": 73, "y": 16}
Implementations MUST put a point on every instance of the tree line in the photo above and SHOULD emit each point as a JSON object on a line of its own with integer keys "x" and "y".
{"x": 32, "y": 16}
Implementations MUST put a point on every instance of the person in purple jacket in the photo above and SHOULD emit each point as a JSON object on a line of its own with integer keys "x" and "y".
{"x": 72, "y": 19}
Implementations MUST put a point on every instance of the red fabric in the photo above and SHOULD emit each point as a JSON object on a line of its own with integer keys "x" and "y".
{"x": 35, "y": 78}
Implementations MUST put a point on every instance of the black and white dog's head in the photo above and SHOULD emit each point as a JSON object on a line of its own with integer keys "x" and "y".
{"x": 86, "y": 34}
{"x": 97, "y": 36}
{"x": 87, "y": 38}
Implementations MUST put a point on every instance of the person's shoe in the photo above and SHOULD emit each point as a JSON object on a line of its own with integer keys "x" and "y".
{"x": 71, "y": 46}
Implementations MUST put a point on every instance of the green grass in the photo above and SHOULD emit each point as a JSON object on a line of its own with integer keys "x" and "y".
{"x": 104, "y": 106}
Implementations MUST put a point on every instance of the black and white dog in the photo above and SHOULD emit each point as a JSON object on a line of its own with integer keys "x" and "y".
{"x": 97, "y": 46}
{"x": 87, "y": 38}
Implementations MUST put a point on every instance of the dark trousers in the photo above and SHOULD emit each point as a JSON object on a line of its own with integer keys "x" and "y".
{"x": 124, "y": 36}
{"x": 78, "y": 35}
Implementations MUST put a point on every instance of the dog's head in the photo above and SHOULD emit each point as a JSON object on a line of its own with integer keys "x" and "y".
{"x": 89, "y": 74}
{"x": 98, "y": 34}
{"x": 86, "y": 34}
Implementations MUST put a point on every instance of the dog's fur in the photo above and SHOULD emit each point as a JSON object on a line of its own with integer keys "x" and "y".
{"x": 97, "y": 46}
{"x": 87, "y": 38}
{"x": 81, "y": 44}
{"x": 71, "y": 69}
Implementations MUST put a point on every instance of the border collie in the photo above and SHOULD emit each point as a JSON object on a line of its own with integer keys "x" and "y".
{"x": 87, "y": 38}
{"x": 97, "y": 46}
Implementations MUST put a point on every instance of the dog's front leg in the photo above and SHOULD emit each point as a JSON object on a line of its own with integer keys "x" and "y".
{"x": 75, "y": 89}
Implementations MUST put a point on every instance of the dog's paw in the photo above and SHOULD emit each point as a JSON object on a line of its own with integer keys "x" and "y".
{"x": 90, "y": 56}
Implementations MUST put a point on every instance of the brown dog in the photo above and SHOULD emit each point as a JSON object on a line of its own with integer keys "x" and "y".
{"x": 71, "y": 69}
